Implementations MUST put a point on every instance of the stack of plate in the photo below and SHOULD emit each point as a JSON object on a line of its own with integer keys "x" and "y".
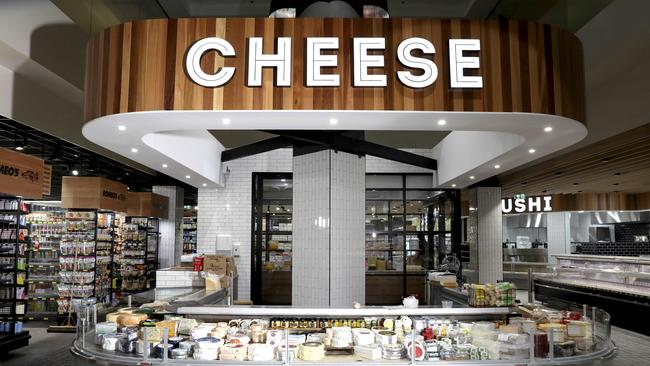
{"x": 392, "y": 351}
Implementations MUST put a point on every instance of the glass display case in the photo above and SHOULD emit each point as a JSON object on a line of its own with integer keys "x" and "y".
{"x": 621, "y": 285}
{"x": 224, "y": 335}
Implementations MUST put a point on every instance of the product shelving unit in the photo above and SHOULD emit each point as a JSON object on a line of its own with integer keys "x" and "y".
{"x": 46, "y": 227}
{"x": 140, "y": 253}
{"x": 13, "y": 245}
{"x": 86, "y": 261}
{"x": 189, "y": 235}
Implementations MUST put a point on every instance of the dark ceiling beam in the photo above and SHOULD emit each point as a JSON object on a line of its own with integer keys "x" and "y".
{"x": 256, "y": 148}
{"x": 341, "y": 142}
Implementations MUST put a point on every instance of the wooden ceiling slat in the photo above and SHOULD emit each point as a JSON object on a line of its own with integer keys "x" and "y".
{"x": 628, "y": 154}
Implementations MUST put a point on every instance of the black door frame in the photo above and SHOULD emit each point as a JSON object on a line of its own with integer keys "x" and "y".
{"x": 257, "y": 204}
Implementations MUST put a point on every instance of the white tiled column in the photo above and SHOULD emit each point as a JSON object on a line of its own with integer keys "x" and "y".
{"x": 485, "y": 238}
{"x": 558, "y": 233}
{"x": 328, "y": 229}
{"x": 170, "y": 246}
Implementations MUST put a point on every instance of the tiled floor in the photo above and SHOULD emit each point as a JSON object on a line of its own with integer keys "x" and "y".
{"x": 52, "y": 349}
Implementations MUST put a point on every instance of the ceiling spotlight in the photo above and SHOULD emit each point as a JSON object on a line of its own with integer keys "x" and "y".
{"x": 277, "y": 208}
{"x": 283, "y": 180}
{"x": 20, "y": 148}
{"x": 471, "y": 177}
{"x": 442, "y": 122}
{"x": 165, "y": 165}
{"x": 75, "y": 172}
{"x": 548, "y": 129}
{"x": 205, "y": 184}
{"x": 134, "y": 150}
{"x": 497, "y": 166}
{"x": 334, "y": 121}
{"x": 531, "y": 151}
{"x": 121, "y": 128}
{"x": 453, "y": 185}
{"x": 187, "y": 177}
{"x": 226, "y": 121}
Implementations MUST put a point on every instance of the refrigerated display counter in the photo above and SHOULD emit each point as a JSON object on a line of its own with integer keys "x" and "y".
{"x": 239, "y": 335}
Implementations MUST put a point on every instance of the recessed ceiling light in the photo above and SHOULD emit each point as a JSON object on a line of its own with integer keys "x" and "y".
{"x": 121, "y": 128}
{"x": 165, "y": 165}
{"x": 524, "y": 183}
{"x": 75, "y": 172}
{"x": 453, "y": 185}
{"x": 277, "y": 208}
{"x": 604, "y": 160}
{"x": 442, "y": 122}
{"x": 471, "y": 177}
{"x": 19, "y": 148}
{"x": 334, "y": 121}
{"x": 187, "y": 177}
{"x": 615, "y": 184}
{"x": 134, "y": 150}
{"x": 205, "y": 184}
{"x": 617, "y": 174}
{"x": 497, "y": 166}
{"x": 531, "y": 151}
{"x": 575, "y": 184}
{"x": 579, "y": 191}
{"x": 283, "y": 180}
{"x": 548, "y": 129}
{"x": 226, "y": 121}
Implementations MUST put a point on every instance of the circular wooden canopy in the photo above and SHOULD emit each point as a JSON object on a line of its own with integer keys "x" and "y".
{"x": 526, "y": 67}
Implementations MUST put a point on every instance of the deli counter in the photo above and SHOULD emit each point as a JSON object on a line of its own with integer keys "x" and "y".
{"x": 236, "y": 335}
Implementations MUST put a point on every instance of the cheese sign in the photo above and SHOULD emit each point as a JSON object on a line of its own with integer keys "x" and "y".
{"x": 526, "y": 204}
{"x": 415, "y": 54}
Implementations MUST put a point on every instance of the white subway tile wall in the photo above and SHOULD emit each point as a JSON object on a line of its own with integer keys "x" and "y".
{"x": 347, "y": 230}
{"x": 170, "y": 245}
{"x": 487, "y": 201}
{"x": 311, "y": 234}
{"x": 166, "y": 279}
{"x": 224, "y": 214}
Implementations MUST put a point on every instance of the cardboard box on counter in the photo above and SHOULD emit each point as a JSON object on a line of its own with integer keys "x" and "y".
{"x": 219, "y": 264}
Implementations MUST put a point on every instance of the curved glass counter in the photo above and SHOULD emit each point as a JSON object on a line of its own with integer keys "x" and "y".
{"x": 370, "y": 335}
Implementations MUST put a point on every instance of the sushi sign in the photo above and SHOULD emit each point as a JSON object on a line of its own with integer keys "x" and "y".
{"x": 522, "y": 204}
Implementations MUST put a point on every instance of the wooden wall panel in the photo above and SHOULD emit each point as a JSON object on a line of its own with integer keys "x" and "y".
{"x": 147, "y": 204}
{"x": 21, "y": 174}
{"x": 93, "y": 193}
{"x": 526, "y": 67}
{"x": 601, "y": 202}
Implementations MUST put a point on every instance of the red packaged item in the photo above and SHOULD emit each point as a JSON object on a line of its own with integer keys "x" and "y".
{"x": 198, "y": 264}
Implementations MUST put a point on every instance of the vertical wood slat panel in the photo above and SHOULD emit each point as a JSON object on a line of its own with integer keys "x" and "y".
{"x": 526, "y": 67}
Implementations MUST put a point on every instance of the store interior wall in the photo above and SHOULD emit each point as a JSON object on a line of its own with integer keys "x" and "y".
{"x": 170, "y": 246}
{"x": 224, "y": 214}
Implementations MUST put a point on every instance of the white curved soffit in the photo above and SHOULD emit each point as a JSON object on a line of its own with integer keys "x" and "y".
{"x": 479, "y": 141}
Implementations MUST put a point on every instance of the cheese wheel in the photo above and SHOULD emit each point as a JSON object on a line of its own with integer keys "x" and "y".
{"x": 130, "y": 320}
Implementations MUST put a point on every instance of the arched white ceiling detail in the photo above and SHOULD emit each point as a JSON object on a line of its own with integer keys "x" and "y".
{"x": 479, "y": 141}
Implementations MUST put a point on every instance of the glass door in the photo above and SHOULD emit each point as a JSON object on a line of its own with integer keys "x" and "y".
{"x": 272, "y": 238}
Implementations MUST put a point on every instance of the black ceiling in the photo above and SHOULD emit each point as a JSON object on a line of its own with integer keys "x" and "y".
{"x": 66, "y": 157}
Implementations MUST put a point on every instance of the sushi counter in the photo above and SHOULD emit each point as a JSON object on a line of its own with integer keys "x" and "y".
{"x": 235, "y": 335}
